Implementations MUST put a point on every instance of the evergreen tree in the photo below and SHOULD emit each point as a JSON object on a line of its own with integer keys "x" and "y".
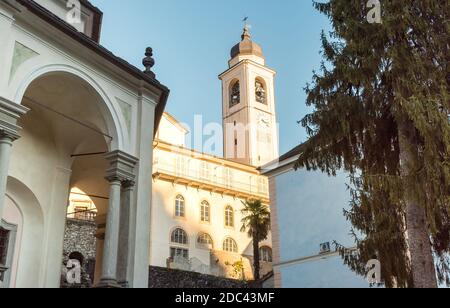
{"x": 257, "y": 222}
{"x": 381, "y": 112}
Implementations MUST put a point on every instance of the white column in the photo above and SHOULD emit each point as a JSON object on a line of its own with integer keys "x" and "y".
{"x": 121, "y": 171}
{"x": 6, "y": 142}
{"x": 124, "y": 234}
{"x": 111, "y": 244}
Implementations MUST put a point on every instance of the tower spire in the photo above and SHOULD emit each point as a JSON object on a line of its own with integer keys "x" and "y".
{"x": 246, "y": 33}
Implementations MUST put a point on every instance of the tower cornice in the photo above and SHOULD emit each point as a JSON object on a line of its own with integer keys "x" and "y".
{"x": 247, "y": 61}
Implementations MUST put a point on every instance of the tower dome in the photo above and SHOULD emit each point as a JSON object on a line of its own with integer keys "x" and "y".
{"x": 246, "y": 47}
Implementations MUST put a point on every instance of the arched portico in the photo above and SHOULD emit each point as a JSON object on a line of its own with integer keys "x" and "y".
{"x": 70, "y": 135}
{"x": 115, "y": 126}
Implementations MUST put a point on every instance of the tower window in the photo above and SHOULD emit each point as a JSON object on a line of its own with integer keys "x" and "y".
{"x": 260, "y": 92}
{"x": 235, "y": 94}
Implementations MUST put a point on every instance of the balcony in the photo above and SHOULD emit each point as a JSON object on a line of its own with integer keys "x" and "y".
{"x": 85, "y": 215}
{"x": 254, "y": 187}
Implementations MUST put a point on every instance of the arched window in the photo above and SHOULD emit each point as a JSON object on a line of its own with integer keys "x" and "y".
{"x": 260, "y": 92}
{"x": 265, "y": 254}
{"x": 204, "y": 240}
{"x": 205, "y": 212}
{"x": 77, "y": 256}
{"x": 179, "y": 236}
{"x": 235, "y": 93}
{"x": 229, "y": 245}
{"x": 180, "y": 206}
{"x": 229, "y": 217}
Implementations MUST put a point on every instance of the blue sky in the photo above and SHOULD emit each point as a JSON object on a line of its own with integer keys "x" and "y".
{"x": 192, "y": 41}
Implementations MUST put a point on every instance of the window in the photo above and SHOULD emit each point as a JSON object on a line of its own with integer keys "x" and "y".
{"x": 77, "y": 256}
{"x": 265, "y": 254}
{"x": 235, "y": 94}
{"x": 204, "y": 240}
{"x": 4, "y": 241}
{"x": 179, "y": 252}
{"x": 182, "y": 166}
{"x": 180, "y": 206}
{"x": 262, "y": 185}
{"x": 228, "y": 176}
{"x": 230, "y": 245}
{"x": 204, "y": 171}
{"x": 179, "y": 236}
{"x": 260, "y": 92}
{"x": 205, "y": 212}
{"x": 229, "y": 217}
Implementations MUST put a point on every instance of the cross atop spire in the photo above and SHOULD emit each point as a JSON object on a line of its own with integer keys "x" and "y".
{"x": 246, "y": 33}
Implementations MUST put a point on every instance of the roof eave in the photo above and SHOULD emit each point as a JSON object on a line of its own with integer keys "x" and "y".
{"x": 101, "y": 51}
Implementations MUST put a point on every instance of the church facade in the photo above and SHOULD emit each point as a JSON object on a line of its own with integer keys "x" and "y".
{"x": 198, "y": 198}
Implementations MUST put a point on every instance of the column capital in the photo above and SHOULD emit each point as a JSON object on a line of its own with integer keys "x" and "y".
{"x": 128, "y": 184}
{"x": 10, "y": 113}
{"x": 121, "y": 167}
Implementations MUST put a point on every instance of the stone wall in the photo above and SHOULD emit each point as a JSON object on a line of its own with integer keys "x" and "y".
{"x": 171, "y": 278}
{"x": 79, "y": 239}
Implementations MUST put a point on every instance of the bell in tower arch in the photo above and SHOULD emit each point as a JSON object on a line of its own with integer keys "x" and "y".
{"x": 260, "y": 92}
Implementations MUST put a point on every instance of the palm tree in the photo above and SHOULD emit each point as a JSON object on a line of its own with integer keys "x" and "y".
{"x": 257, "y": 222}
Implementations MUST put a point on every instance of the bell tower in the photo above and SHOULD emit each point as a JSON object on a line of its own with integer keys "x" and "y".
{"x": 249, "y": 115}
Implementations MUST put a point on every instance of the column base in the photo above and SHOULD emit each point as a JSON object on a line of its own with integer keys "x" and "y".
{"x": 124, "y": 284}
{"x": 107, "y": 283}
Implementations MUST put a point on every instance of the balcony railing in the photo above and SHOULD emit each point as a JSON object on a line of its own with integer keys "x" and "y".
{"x": 87, "y": 215}
{"x": 248, "y": 186}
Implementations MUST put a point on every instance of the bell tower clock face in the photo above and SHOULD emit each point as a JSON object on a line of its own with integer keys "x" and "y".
{"x": 264, "y": 129}
{"x": 263, "y": 121}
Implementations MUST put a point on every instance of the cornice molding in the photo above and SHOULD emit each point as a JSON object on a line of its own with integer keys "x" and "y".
{"x": 121, "y": 167}
{"x": 10, "y": 113}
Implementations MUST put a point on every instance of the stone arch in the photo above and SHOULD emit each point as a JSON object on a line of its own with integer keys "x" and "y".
{"x": 76, "y": 255}
{"x": 261, "y": 90}
{"x": 115, "y": 123}
{"x": 29, "y": 273}
{"x": 234, "y": 93}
